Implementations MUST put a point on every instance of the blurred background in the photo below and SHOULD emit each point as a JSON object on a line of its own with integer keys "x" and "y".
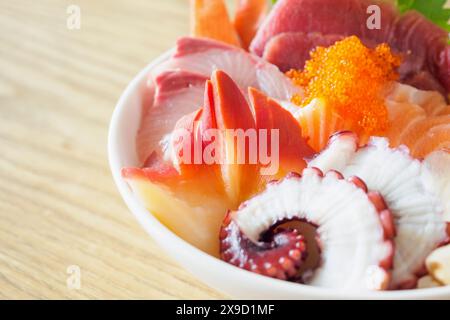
{"x": 64, "y": 230}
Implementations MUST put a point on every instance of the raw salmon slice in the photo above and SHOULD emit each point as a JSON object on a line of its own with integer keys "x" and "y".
{"x": 445, "y": 111}
{"x": 431, "y": 101}
{"x": 436, "y": 138}
{"x": 209, "y": 18}
{"x": 420, "y": 128}
{"x": 401, "y": 116}
{"x": 318, "y": 123}
{"x": 249, "y": 15}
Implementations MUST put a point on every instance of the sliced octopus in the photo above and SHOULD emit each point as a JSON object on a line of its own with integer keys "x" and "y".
{"x": 354, "y": 230}
{"x": 410, "y": 189}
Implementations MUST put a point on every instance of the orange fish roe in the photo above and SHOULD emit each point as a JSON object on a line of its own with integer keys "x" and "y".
{"x": 350, "y": 77}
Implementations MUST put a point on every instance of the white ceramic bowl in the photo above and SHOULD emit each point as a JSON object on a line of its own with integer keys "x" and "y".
{"x": 224, "y": 277}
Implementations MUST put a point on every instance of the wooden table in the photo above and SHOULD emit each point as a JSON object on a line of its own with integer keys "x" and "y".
{"x": 59, "y": 207}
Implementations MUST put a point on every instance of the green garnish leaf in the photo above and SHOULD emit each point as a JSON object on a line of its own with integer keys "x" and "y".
{"x": 432, "y": 9}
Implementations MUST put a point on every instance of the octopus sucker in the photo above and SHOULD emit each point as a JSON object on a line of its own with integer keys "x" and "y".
{"x": 279, "y": 255}
{"x": 414, "y": 190}
{"x": 354, "y": 236}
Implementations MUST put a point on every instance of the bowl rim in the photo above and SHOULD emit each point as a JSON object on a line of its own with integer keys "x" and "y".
{"x": 161, "y": 234}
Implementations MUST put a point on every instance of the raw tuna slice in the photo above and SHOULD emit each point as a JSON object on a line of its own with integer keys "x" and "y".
{"x": 444, "y": 67}
{"x": 275, "y": 51}
{"x": 422, "y": 44}
{"x": 342, "y": 17}
{"x": 424, "y": 80}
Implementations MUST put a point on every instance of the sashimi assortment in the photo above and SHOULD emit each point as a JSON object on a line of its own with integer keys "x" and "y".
{"x": 301, "y": 143}
{"x": 421, "y": 43}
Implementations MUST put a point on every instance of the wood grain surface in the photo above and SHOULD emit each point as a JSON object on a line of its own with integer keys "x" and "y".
{"x": 59, "y": 206}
